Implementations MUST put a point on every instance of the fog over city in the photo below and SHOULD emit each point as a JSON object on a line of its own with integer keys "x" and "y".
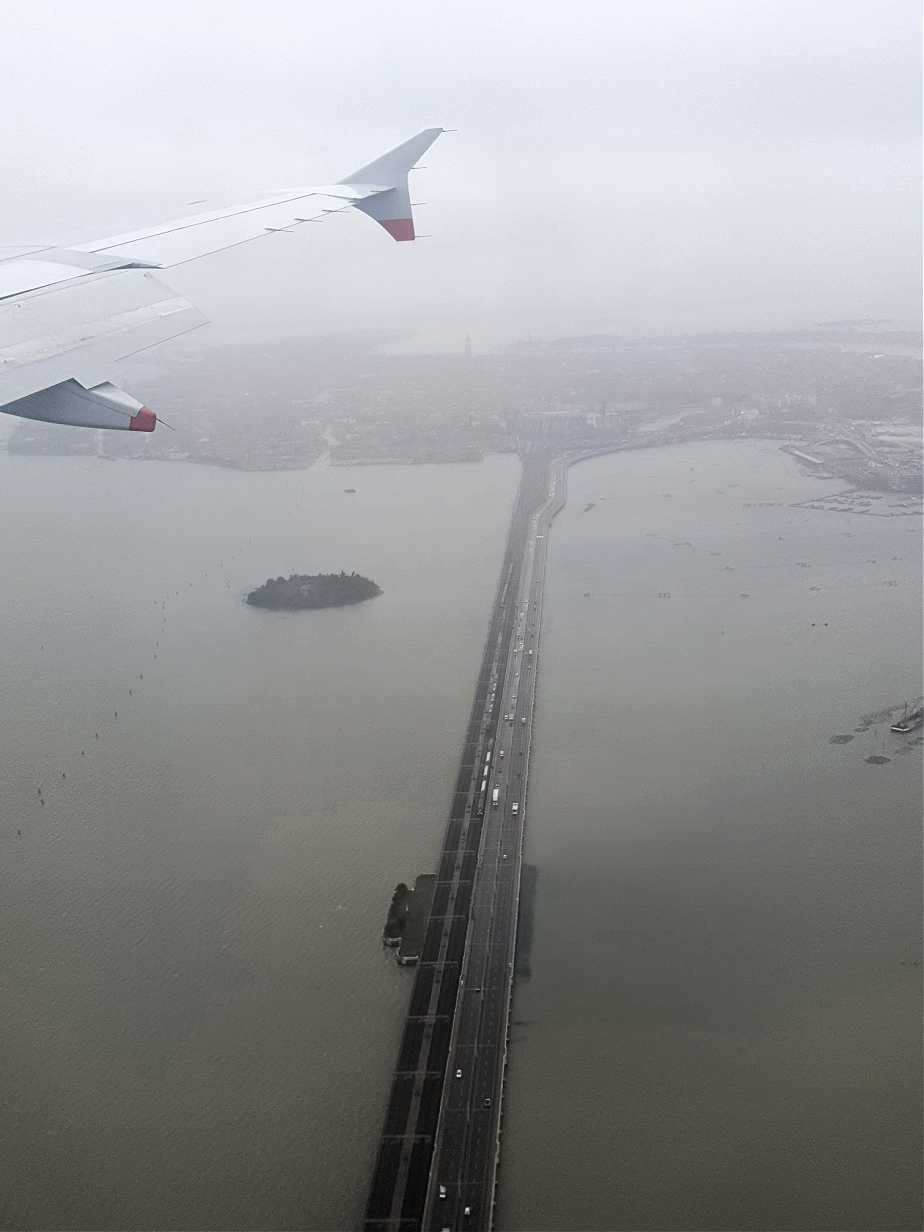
{"x": 631, "y": 167}
{"x": 462, "y": 770}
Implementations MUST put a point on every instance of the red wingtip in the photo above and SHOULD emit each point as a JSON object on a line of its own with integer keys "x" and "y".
{"x": 143, "y": 421}
{"x": 399, "y": 228}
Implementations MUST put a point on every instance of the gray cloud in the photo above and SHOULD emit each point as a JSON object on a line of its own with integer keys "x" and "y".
{"x": 620, "y": 165}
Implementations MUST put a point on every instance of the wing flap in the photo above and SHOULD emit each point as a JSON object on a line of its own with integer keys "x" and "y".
{"x": 78, "y": 330}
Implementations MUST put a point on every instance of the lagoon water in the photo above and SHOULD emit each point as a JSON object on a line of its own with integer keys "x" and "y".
{"x": 205, "y": 809}
{"x": 723, "y": 1025}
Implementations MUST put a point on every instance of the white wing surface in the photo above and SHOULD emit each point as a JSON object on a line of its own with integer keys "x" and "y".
{"x": 66, "y": 314}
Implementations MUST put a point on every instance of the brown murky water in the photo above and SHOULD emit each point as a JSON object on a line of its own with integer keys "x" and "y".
{"x": 205, "y": 810}
{"x": 723, "y": 1025}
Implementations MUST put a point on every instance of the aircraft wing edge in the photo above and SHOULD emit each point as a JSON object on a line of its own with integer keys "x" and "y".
{"x": 60, "y": 344}
{"x": 57, "y": 372}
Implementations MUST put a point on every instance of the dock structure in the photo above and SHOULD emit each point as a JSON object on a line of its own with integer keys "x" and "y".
{"x": 437, "y": 1160}
{"x": 418, "y": 913}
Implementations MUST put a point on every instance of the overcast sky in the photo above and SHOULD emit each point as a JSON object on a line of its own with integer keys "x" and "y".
{"x": 627, "y": 165}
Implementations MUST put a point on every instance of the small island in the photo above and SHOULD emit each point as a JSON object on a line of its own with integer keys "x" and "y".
{"x": 302, "y": 590}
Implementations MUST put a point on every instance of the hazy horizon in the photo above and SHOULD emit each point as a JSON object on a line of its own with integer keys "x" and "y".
{"x": 207, "y": 806}
{"x": 631, "y": 168}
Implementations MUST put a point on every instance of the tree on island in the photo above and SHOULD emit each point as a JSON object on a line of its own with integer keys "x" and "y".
{"x": 302, "y": 590}
{"x": 397, "y": 915}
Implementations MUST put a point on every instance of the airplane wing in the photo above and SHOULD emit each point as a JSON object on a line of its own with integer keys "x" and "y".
{"x": 66, "y": 314}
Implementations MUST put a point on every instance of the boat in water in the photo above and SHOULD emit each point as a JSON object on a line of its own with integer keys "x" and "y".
{"x": 910, "y": 720}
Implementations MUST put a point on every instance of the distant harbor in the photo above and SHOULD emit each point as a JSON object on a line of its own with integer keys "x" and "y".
{"x": 834, "y": 398}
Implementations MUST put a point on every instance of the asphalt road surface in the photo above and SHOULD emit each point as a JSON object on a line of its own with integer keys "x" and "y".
{"x": 438, "y": 1156}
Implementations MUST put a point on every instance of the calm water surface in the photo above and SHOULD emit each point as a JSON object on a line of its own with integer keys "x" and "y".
{"x": 204, "y": 810}
{"x": 723, "y": 1024}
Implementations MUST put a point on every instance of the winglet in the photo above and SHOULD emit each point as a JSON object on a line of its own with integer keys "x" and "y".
{"x": 390, "y": 204}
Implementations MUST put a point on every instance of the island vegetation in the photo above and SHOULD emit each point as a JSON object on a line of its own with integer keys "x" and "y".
{"x": 397, "y": 915}
{"x": 408, "y": 916}
{"x": 302, "y": 590}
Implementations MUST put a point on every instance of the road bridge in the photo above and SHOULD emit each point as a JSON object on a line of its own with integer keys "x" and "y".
{"x": 437, "y": 1160}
